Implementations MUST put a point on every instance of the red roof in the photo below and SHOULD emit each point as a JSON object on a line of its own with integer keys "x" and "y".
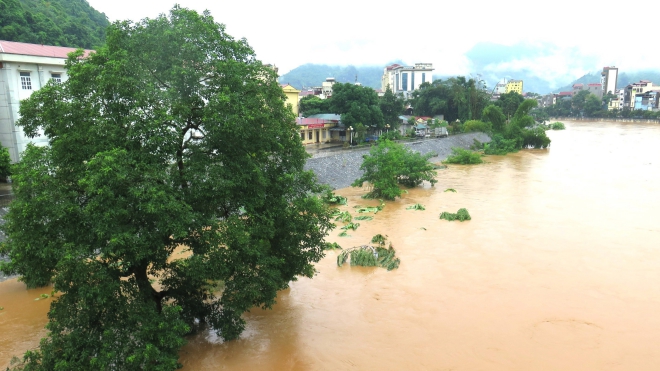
{"x": 574, "y": 85}
{"x": 595, "y": 84}
{"x": 311, "y": 121}
{"x": 566, "y": 93}
{"x": 11, "y": 47}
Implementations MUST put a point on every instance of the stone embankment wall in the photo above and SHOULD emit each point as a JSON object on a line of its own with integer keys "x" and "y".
{"x": 339, "y": 168}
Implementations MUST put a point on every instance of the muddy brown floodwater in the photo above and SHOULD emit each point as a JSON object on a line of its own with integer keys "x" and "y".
{"x": 557, "y": 270}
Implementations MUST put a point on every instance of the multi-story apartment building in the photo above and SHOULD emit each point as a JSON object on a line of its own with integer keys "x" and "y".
{"x": 24, "y": 69}
{"x": 406, "y": 79}
{"x": 634, "y": 89}
{"x": 595, "y": 89}
{"x": 515, "y": 86}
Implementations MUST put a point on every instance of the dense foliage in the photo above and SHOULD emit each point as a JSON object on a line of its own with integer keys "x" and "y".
{"x": 358, "y": 106}
{"x": 389, "y": 164}
{"x": 521, "y": 131}
{"x": 72, "y": 23}
{"x": 455, "y": 98}
{"x": 463, "y": 157}
{"x": 312, "y": 105}
{"x": 5, "y": 164}
{"x": 174, "y": 169}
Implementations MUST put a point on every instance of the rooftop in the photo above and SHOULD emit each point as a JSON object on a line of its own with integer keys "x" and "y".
{"x": 38, "y": 50}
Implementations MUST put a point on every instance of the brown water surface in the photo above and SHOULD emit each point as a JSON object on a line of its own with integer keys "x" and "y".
{"x": 557, "y": 270}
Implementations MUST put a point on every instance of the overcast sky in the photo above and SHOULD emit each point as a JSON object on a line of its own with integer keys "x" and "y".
{"x": 566, "y": 37}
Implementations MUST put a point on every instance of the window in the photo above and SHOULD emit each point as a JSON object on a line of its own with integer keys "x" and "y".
{"x": 423, "y": 77}
{"x": 404, "y": 81}
{"x": 26, "y": 83}
{"x": 324, "y": 133}
{"x": 309, "y": 135}
{"x": 412, "y": 81}
{"x": 57, "y": 77}
{"x": 302, "y": 135}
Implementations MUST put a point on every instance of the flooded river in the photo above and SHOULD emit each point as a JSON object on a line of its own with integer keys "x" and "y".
{"x": 557, "y": 270}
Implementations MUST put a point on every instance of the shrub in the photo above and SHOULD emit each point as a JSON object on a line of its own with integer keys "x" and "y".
{"x": 557, "y": 126}
{"x": 476, "y": 125}
{"x": 463, "y": 157}
{"x": 461, "y": 215}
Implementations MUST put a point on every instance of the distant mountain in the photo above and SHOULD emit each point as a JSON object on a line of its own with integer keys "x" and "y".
{"x": 72, "y": 23}
{"x": 309, "y": 75}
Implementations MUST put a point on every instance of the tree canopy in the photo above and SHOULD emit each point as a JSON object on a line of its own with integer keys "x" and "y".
{"x": 392, "y": 107}
{"x": 357, "y": 105}
{"x": 455, "y": 98}
{"x": 389, "y": 164}
{"x": 172, "y": 195}
{"x": 72, "y": 23}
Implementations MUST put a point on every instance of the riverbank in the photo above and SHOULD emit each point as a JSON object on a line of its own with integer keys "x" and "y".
{"x": 340, "y": 168}
{"x": 653, "y": 121}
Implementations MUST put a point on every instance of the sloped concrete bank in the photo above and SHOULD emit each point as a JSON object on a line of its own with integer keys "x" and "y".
{"x": 340, "y": 168}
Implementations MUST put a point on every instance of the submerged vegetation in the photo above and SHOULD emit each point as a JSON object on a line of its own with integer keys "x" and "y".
{"x": 416, "y": 207}
{"x": 557, "y": 126}
{"x": 463, "y": 157}
{"x": 461, "y": 215}
{"x": 330, "y": 198}
{"x": 332, "y": 246}
{"x": 371, "y": 256}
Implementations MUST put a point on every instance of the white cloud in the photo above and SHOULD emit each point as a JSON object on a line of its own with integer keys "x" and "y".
{"x": 296, "y": 32}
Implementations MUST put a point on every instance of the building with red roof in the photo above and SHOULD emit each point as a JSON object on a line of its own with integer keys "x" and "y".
{"x": 25, "y": 68}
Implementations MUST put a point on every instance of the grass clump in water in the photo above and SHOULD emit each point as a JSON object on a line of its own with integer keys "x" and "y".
{"x": 344, "y": 217}
{"x": 416, "y": 207}
{"x": 364, "y": 217}
{"x": 461, "y": 215}
{"x": 370, "y": 256}
{"x": 331, "y": 198}
{"x": 450, "y": 190}
{"x": 351, "y": 225}
{"x": 463, "y": 157}
{"x": 557, "y": 126}
{"x": 332, "y": 246}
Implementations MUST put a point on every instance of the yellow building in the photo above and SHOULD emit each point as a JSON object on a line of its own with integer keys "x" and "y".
{"x": 317, "y": 130}
{"x": 291, "y": 97}
{"x": 514, "y": 85}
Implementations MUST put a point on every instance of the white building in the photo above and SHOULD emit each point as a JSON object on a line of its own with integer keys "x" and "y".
{"x": 25, "y": 68}
{"x": 608, "y": 79}
{"x": 406, "y": 79}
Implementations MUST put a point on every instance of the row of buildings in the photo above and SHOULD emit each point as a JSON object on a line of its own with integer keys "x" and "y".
{"x": 642, "y": 95}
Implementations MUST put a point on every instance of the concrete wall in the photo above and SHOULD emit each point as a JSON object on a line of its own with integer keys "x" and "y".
{"x": 12, "y": 92}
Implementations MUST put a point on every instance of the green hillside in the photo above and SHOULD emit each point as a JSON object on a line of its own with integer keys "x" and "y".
{"x": 309, "y": 75}
{"x": 72, "y": 23}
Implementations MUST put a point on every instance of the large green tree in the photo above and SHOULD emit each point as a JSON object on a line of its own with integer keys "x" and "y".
{"x": 312, "y": 105}
{"x": 392, "y": 107}
{"x": 172, "y": 194}
{"x": 389, "y": 164}
{"x": 356, "y": 104}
